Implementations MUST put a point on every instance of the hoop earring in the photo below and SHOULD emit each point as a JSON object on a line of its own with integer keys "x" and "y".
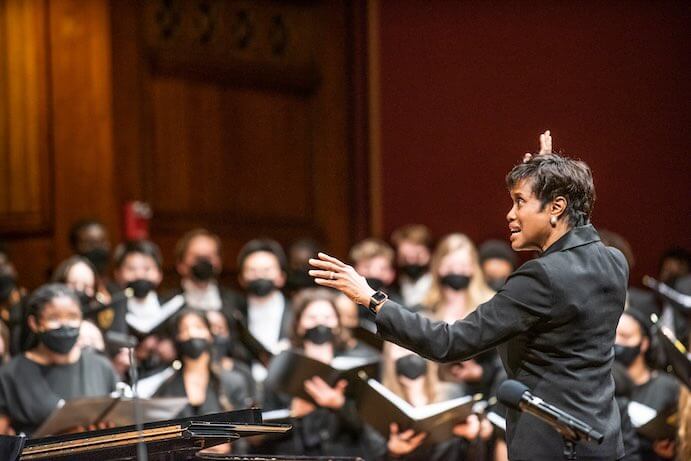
{"x": 553, "y": 221}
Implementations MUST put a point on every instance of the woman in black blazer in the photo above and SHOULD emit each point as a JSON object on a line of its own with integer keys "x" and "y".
{"x": 553, "y": 321}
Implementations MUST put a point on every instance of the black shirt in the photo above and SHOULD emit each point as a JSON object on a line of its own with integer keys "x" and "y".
{"x": 660, "y": 392}
{"x": 230, "y": 383}
{"x": 29, "y": 392}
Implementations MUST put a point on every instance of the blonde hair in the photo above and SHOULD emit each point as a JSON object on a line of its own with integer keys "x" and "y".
{"x": 478, "y": 290}
{"x": 371, "y": 248}
{"x": 415, "y": 233}
{"x": 684, "y": 434}
{"x": 390, "y": 379}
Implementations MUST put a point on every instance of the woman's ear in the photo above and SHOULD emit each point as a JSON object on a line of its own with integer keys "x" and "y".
{"x": 645, "y": 345}
{"x": 33, "y": 324}
{"x": 558, "y": 206}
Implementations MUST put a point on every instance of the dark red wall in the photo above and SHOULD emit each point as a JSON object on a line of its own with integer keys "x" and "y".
{"x": 466, "y": 87}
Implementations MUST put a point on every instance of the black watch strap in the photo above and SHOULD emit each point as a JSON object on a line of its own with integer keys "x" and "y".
{"x": 377, "y": 298}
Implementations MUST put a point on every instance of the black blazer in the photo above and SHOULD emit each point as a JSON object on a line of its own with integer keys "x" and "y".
{"x": 554, "y": 324}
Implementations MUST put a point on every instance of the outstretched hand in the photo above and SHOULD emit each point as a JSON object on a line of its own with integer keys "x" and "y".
{"x": 332, "y": 273}
{"x": 545, "y": 146}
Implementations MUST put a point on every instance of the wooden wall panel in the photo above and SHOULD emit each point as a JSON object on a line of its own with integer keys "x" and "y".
{"x": 243, "y": 138}
{"x": 56, "y": 140}
{"x": 238, "y": 120}
{"x": 24, "y": 142}
{"x": 85, "y": 170}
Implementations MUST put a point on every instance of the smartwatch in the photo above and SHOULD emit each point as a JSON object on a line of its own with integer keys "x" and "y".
{"x": 376, "y": 300}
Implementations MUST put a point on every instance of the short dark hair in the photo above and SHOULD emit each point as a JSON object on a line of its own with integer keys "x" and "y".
{"x": 553, "y": 175}
{"x": 78, "y": 227}
{"x": 183, "y": 244}
{"x": 497, "y": 249}
{"x": 263, "y": 244}
{"x": 677, "y": 253}
{"x": 44, "y": 294}
{"x": 145, "y": 247}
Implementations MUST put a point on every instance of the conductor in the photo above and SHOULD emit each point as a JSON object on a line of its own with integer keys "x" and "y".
{"x": 554, "y": 320}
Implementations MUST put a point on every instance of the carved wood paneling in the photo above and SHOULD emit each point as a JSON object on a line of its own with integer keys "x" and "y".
{"x": 242, "y": 136}
{"x": 256, "y": 43}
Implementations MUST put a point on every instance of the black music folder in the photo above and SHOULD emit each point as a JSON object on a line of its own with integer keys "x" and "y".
{"x": 11, "y": 446}
{"x": 676, "y": 354}
{"x": 290, "y": 369}
{"x": 651, "y": 423}
{"x": 380, "y": 407}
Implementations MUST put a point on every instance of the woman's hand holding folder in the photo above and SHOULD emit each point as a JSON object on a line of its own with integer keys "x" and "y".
{"x": 324, "y": 395}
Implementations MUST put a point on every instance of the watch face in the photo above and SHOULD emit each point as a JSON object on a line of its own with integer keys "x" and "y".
{"x": 379, "y": 296}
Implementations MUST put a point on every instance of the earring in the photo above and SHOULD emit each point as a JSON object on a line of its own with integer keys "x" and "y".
{"x": 553, "y": 221}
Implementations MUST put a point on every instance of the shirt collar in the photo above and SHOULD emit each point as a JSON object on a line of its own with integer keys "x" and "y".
{"x": 577, "y": 236}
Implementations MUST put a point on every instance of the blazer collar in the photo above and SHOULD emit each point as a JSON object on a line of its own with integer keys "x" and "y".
{"x": 576, "y": 237}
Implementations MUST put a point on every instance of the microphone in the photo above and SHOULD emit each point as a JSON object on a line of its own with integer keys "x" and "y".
{"x": 516, "y": 395}
{"x": 678, "y": 300}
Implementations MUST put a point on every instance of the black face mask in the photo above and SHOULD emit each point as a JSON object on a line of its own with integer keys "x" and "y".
{"x": 456, "y": 281}
{"x": 141, "y": 287}
{"x": 321, "y": 334}
{"x": 222, "y": 346}
{"x": 151, "y": 362}
{"x": 375, "y": 283}
{"x": 7, "y": 286}
{"x": 99, "y": 257}
{"x": 411, "y": 366}
{"x": 496, "y": 284}
{"x": 60, "y": 340}
{"x": 203, "y": 270}
{"x": 414, "y": 271}
{"x": 193, "y": 348}
{"x": 626, "y": 354}
{"x": 261, "y": 287}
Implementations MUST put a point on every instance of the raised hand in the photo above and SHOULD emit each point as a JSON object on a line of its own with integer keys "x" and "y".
{"x": 333, "y": 273}
{"x": 546, "y": 143}
{"x": 545, "y": 146}
{"x": 402, "y": 443}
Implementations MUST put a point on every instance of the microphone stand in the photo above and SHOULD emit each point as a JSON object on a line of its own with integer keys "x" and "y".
{"x": 138, "y": 417}
{"x": 569, "y": 449}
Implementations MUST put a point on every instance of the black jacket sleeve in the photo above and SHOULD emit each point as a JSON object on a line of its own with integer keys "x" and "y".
{"x": 524, "y": 301}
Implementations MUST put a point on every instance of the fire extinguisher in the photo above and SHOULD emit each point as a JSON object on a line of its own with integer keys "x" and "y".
{"x": 136, "y": 220}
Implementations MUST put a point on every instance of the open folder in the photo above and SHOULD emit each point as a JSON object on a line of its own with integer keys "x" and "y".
{"x": 144, "y": 325}
{"x": 116, "y": 410}
{"x": 290, "y": 369}
{"x": 651, "y": 423}
{"x": 379, "y": 407}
